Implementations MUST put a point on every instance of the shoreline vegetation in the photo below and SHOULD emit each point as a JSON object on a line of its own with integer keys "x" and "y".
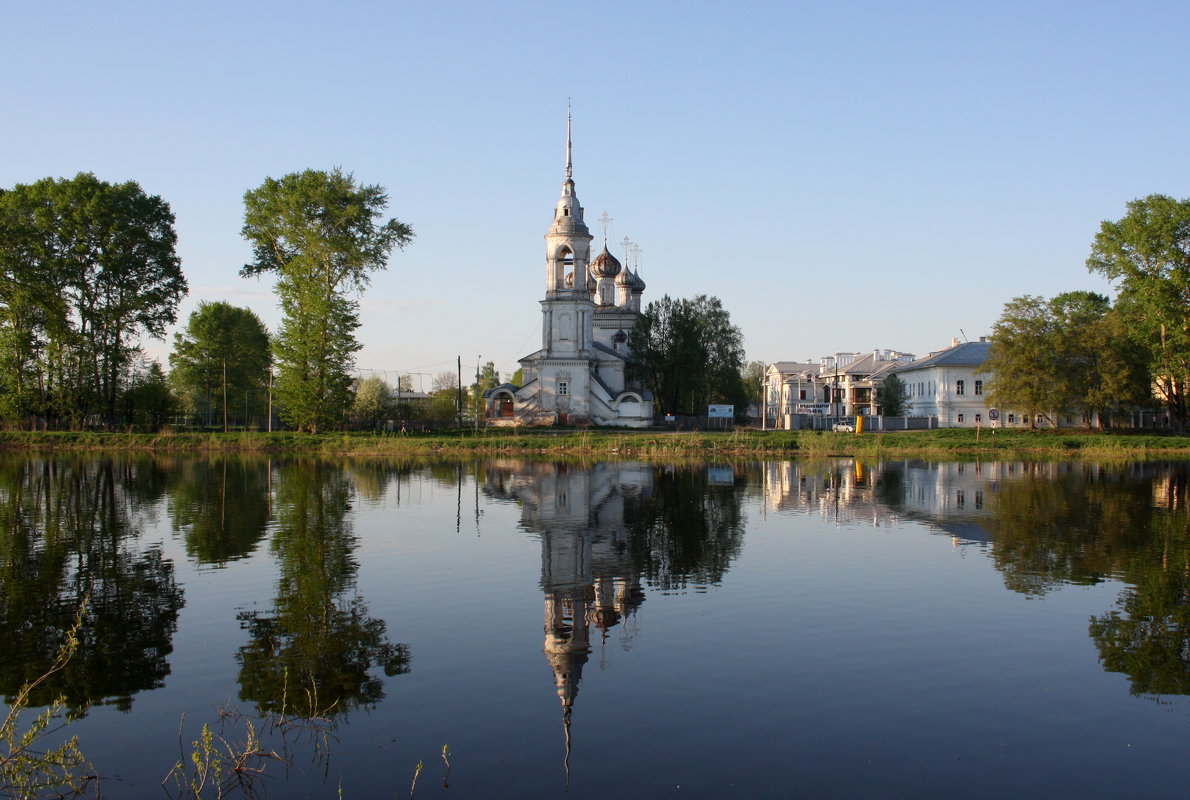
{"x": 620, "y": 444}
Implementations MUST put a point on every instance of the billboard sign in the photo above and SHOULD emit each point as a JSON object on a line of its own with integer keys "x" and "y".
{"x": 822, "y": 409}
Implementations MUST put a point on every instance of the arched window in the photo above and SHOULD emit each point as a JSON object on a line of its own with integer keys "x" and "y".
{"x": 566, "y": 259}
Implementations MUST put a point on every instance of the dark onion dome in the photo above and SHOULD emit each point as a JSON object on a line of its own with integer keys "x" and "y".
{"x": 630, "y": 280}
{"x": 592, "y": 286}
{"x": 605, "y": 265}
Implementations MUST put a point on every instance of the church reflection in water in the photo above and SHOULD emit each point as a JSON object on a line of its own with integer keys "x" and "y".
{"x": 588, "y": 574}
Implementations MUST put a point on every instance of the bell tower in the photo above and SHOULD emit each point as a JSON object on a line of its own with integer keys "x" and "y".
{"x": 568, "y": 241}
{"x": 567, "y": 308}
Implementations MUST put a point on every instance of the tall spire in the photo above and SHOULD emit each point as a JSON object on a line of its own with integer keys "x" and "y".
{"x": 569, "y": 165}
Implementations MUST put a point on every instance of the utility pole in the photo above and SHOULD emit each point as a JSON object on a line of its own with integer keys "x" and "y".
{"x": 479, "y": 389}
{"x": 225, "y": 395}
{"x": 459, "y": 399}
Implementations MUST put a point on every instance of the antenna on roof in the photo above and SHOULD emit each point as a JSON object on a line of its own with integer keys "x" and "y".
{"x": 964, "y": 334}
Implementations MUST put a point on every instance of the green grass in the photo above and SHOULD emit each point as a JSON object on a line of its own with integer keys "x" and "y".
{"x": 628, "y": 444}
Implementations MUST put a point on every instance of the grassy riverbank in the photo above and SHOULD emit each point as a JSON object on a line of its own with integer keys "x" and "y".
{"x": 630, "y": 444}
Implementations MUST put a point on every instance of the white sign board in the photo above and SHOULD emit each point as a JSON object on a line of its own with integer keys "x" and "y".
{"x": 720, "y": 412}
{"x": 813, "y": 408}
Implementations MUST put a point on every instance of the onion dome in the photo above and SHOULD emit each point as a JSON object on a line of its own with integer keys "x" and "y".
{"x": 630, "y": 280}
{"x": 592, "y": 286}
{"x": 570, "y": 280}
{"x": 605, "y": 265}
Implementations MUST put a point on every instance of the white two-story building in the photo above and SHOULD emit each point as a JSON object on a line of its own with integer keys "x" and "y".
{"x": 950, "y": 385}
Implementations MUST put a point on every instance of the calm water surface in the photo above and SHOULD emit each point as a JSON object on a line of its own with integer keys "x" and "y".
{"x": 793, "y": 629}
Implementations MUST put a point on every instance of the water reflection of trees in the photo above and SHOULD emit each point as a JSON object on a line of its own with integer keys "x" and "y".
{"x": 1147, "y": 635}
{"x": 686, "y": 530}
{"x": 68, "y": 531}
{"x": 318, "y": 644}
{"x": 1069, "y": 523}
{"x": 221, "y": 507}
{"x": 1051, "y": 524}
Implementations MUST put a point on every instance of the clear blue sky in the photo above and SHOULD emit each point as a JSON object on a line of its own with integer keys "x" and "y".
{"x": 843, "y": 176}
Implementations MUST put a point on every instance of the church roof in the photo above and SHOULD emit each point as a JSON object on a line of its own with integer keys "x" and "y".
{"x": 605, "y": 265}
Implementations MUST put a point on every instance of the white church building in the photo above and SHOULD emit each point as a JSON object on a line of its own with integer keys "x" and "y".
{"x": 579, "y": 374}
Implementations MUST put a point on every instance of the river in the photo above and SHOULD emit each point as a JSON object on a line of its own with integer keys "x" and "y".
{"x": 833, "y": 628}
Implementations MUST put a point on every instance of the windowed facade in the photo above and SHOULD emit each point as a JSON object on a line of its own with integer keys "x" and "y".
{"x": 563, "y": 388}
{"x": 960, "y": 387}
{"x": 979, "y": 387}
{"x": 979, "y": 417}
{"x": 960, "y": 417}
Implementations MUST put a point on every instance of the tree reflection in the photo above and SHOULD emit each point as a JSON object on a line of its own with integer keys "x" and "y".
{"x": 68, "y": 531}
{"x": 318, "y": 645}
{"x": 221, "y": 507}
{"x": 1081, "y": 524}
{"x": 1069, "y": 523}
{"x": 1147, "y": 635}
{"x": 686, "y": 530}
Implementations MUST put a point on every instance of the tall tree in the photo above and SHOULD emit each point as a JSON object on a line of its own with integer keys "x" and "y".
{"x": 373, "y": 401}
{"x": 148, "y": 399}
{"x": 488, "y": 377}
{"x": 221, "y": 359}
{"x": 892, "y": 395}
{"x": 322, "y": 235}
{"x": 689, "y": 354}
{"x": 86, "y": 269}
{"x": 1146, "y": 254}
{"x": 1067, "y": 355}
{"x": 1022, "y": 361}
{"x": 752, "y": 377}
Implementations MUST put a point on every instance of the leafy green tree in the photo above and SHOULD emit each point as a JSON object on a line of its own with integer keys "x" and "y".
{"x": 87, "y": 268}
{"x": 488, "y": 378}
{"x": 1123, "y": 381}
{"x": 1021, "y": 359}
{"x": 689, "y": 354}
{"x": 1146, "y": 254}
{"x": 221, "y": 360}
{"x": 1068, "y": 355}
{"x": 752, "y": 378}
{"x": 322, "y": 235}
{"x": 892, "y": 395}
{"x": 148, "y": 400}
{"x": 373, "y": 401}
{"x": 1100, "y": 369}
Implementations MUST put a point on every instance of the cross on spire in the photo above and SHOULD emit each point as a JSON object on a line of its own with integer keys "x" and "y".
{"x": 605, "y": 220}
{"x": 569, "y": 167}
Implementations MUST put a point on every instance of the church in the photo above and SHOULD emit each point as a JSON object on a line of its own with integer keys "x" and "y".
{"x": 579, "y": 375}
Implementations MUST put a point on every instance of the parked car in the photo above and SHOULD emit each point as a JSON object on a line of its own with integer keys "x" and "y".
{"x": 844, "y": 427}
